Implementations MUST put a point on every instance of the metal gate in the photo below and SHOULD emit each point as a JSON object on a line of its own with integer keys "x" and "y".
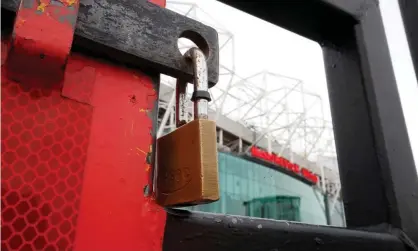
{"x": 78, "y": 129}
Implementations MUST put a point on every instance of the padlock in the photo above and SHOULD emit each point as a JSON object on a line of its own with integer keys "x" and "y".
{"x": 187, "y": 158}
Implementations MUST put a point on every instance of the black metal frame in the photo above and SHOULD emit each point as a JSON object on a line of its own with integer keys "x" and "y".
{"x": 377, "y": 170}
{"x": 204, "y": 231}
{"x": 409, "y": 11}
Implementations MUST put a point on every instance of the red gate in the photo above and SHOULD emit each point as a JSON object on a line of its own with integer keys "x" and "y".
{"x": 74, "y": 142}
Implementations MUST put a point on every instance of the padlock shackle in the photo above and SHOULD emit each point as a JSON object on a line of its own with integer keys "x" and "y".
{"x": 201, "y": 96}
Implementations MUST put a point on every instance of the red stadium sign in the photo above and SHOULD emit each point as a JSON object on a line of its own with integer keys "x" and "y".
{"x": 284, "y": 163}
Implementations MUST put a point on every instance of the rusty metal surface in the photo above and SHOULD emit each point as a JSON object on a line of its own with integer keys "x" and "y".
{"x": 187, "y": 172}
{"x": 141, "y": 34}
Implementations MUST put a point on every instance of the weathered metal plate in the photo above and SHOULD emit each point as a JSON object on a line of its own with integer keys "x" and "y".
{"x": 141, "y": 34}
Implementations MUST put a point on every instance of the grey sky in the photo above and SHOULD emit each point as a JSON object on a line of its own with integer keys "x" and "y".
{"x": 402, "y": 65}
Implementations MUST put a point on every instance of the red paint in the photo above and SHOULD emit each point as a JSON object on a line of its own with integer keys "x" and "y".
{"x": 161, "y": 3}
{"x": 44, "y": 150}
{"x": 114, "y": 214}
{"x": 74, "y": 159}
{"x": 42, "y": 37}
{"x": 284, "y": 163}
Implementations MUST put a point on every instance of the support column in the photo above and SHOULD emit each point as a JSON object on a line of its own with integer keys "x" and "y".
{"x": 240, "y": 145}
{"x": 269, "y": 147}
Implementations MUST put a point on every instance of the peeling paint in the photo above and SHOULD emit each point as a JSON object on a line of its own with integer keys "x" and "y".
{"x": 41, "y": 7}
{"x": 70, "y": 2}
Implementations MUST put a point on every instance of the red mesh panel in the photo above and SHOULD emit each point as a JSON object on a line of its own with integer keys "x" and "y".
{"x": 45, "y": 158}
{"x": 44, "y": 145}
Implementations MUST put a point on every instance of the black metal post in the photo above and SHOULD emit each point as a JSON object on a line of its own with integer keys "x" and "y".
{"x": 327, "y": 211}
{"x": 409, "y": 12}
{"x": 377, "y": 170}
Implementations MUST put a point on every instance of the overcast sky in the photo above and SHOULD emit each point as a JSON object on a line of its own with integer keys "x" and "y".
{"x": 260, "y": 46}
{"x": 404, "y": 72}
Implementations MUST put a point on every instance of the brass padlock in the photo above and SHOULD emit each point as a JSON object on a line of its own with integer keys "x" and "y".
{"x": 187, "y": 158}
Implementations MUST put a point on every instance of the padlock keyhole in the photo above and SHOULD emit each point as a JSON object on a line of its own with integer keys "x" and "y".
{"x": 190, "y": 39}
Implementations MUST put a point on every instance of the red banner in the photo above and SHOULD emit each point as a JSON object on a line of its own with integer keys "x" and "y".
{"x": 284, "y": 163}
